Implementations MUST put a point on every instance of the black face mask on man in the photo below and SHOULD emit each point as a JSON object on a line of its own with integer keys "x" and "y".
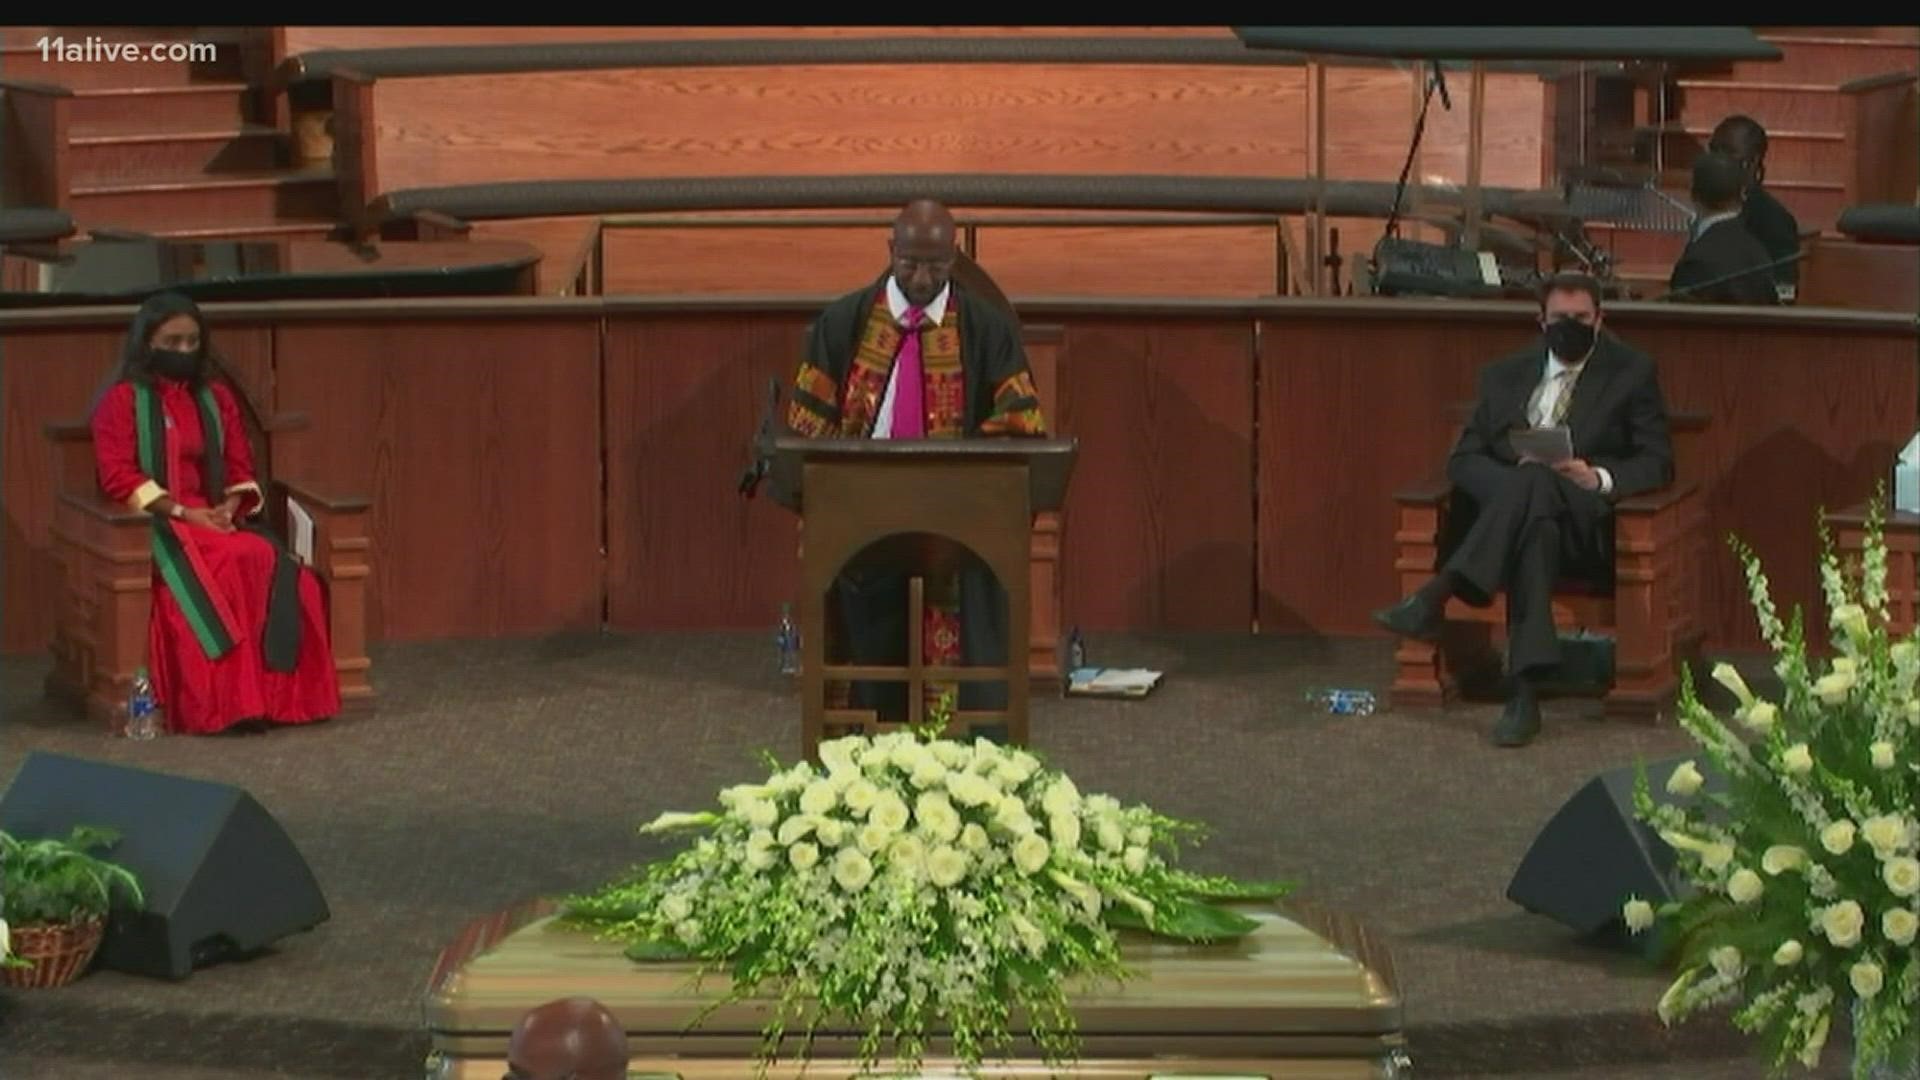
{"x": 174, "y": 364}
{"x": 1570, "y": 340}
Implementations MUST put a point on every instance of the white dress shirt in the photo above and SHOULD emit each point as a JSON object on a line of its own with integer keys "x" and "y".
{"x": 897, "y": 303}
{"x": 1557, "y": 380}
{"x": 1702, "y": 224}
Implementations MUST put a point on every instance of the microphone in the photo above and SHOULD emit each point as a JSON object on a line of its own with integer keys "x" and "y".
{"x": 1440, "y": 78}
{"x": 1795, "y": 257}
{"x": 762, "y": 443}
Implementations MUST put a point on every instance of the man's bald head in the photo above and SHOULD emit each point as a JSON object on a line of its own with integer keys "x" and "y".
{"x": 573, "y": 1038}
{"x": 923, "y": 250}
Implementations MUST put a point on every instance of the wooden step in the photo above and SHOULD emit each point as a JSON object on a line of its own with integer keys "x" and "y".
{"x": 166, "y": 108}
{"x": 1791, "y": 155}
{"x": 183, "y": 64}
{"x": 1824, "y": 60}
{"x": 1787, "y": 106}
{"x": 236, "y": 200}
{"x": 106, "y": 154}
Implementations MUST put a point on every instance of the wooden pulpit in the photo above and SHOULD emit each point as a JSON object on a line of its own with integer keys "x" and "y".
{"x": 979, "y": 494}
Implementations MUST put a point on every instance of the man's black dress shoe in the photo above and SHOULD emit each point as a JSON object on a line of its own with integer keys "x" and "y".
{"x": 1415, "y": 617}
{"x": 1520, "y": 720}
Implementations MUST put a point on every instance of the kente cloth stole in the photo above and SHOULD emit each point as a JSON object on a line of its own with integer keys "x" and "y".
{"x": 178, "y": 560}
{"x": 945, "y": 393}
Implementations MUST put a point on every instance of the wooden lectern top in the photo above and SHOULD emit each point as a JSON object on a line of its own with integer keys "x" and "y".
{"x": 1049, "y": 461}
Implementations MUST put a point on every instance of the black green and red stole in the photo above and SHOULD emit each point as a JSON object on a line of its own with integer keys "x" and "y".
{"x": 873, "y": 357}
{"x": 178, "y": 562}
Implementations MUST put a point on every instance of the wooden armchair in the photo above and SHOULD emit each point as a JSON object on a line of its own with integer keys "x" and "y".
{"x": 104, "y": 551}
{"x": 1651, "y": 607}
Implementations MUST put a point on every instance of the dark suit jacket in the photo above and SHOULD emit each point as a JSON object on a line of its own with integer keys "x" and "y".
{"x": 1618, "y": 417}
{"x": 1718, "y": 255}
{"x": 1774, "y": 226}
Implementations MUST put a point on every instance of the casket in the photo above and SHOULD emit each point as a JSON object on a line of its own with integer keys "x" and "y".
{"x": 1308, "y": 995}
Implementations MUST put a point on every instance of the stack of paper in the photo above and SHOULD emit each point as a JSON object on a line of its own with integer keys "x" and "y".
{"x": 1112, "y": 682}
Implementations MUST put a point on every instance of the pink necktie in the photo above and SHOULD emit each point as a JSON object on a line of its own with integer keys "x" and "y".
{"x": 909, "y": 409}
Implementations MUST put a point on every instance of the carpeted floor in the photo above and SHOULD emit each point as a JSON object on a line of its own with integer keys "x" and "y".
{"x": 498, "y": 770}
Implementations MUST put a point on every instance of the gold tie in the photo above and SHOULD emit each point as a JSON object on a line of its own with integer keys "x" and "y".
{"x": 1561, "y": 404}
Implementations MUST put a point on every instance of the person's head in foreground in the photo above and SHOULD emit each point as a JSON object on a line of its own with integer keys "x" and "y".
{"x": 568, "y": 1039}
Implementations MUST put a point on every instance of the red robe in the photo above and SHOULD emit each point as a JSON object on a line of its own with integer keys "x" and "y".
{"x": 199, "y": 695}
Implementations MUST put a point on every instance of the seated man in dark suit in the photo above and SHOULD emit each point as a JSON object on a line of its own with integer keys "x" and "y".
{"x": 1723, "y": 263}
{"x": 1745, "y": 141}
{"x": 1535, "y": 522}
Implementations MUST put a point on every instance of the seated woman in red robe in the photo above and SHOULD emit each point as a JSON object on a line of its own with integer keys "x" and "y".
{"x": 239, "y": 629}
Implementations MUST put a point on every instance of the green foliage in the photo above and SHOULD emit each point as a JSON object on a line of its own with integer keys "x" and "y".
{"x": 62, "y": 881}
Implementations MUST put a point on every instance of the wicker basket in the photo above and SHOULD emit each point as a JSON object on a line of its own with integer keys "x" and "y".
{"x": 59, "y": 953}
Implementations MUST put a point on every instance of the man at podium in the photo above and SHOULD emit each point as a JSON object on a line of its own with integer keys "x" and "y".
{"x": 913, "y": 356}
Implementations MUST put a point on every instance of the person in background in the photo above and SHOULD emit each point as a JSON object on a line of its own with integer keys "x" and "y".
{"x": 1723, "y": 263}
{"x": 238, "y": 633}
{"x": 1745, "y": 141}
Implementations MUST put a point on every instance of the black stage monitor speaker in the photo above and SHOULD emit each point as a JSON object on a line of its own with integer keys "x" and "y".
{"x": 1595, "y": 853}
{"x": 221, "y": 877}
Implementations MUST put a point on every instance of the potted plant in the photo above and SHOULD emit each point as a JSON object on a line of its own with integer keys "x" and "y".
{"x": 58, "y": 893}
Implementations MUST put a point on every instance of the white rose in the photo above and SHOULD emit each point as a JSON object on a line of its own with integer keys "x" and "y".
{"x": 761, "y": 813}
{"x": 1882, "y": 755}
{"x": 873, "y": 838}
{"x": 1866, "y": 977}
{"x": 1638, "y": 915}
{"x": 937, "y": 816}
{"x": 1012, "y": 816}
{"x": 739, "y": 795}
{"x": 1761, "y": 716}
{"x": 837, "y": 756}
{"x": 1006, "y": 776}
{"x": 1846, "y": 665}
{"x": 1140, "y": 835}
{"x": 1030, "y": 853}
{"x": 1832, "y": 689}
{"x": 1725, "y": 675}
{"x": 1716, "y": 857}
{"x": 792, "y": 829}
{"x": 831, "y": 832}
{"x": 928, "y": 773}
{"x": 675, "y": 908}
{"x": 852, "y": 870}
{"x": 907, "y": 856}
{"x": 1837, "y": 838}
{"x": 1851, "y": 619}
{"x": 1886, "y": 833}
{"x": 1065, "y": 830}
{"x": 1902, "y": 876}
{"x": 1061, "y": 798}
{"x": 762, "y": 849}
{"x": 974, "y": 838}
{"x": 1686, "y": 779}
{"x": 860, "y": 796}
{"x": 1112, "y": 837}
{"x": 1781, "y": 858}
{"x": 1727, "y": 962}
{"x": 890, "y": 813}
{"x": 952, "y": 755}
{"x": 819, "y": 798}
{"x": 970, "y": 790}
{"x": 1789, "y": 953}
{"x": 1899, "y": 925}
{"x": 1906, "y": 654}
{"x": 906, "y": 755}
{"x": 689, "y": 932}
{"x": 1745, "y": 886}
{"x": 803, "y": 857}
{"x": 1134, "y": 860}
{"x": 1798, "y": 760}
{"x": 946, "y": 866}
{"x": 1842, "y": 923}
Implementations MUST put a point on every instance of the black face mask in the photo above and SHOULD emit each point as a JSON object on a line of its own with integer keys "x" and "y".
{"x": 1570, "y": 341}
{"x": 174, "y": 365}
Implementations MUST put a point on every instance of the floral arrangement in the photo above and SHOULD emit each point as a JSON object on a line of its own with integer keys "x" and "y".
{"x": 1807, "y": 886}
{"x": 912, "y": 884}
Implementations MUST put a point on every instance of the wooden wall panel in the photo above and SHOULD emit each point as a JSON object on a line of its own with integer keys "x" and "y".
{"x": 1160, "y": 503}
{"x": 741, "y": 260}
{"x": 684, "y": 395}
{"x": 305, "y": 38}
{"x": 479, "y": 443}
{"x": 1195, "y": 120}
{"x": 1117, "y": 260}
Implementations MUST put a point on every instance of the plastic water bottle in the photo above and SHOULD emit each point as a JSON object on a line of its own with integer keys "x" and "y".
{"x": 1076, "y": 651}
{"x": 1343, "y": 702}
{"x": 143, "y": 710}
{"x": 787, "y": 640}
